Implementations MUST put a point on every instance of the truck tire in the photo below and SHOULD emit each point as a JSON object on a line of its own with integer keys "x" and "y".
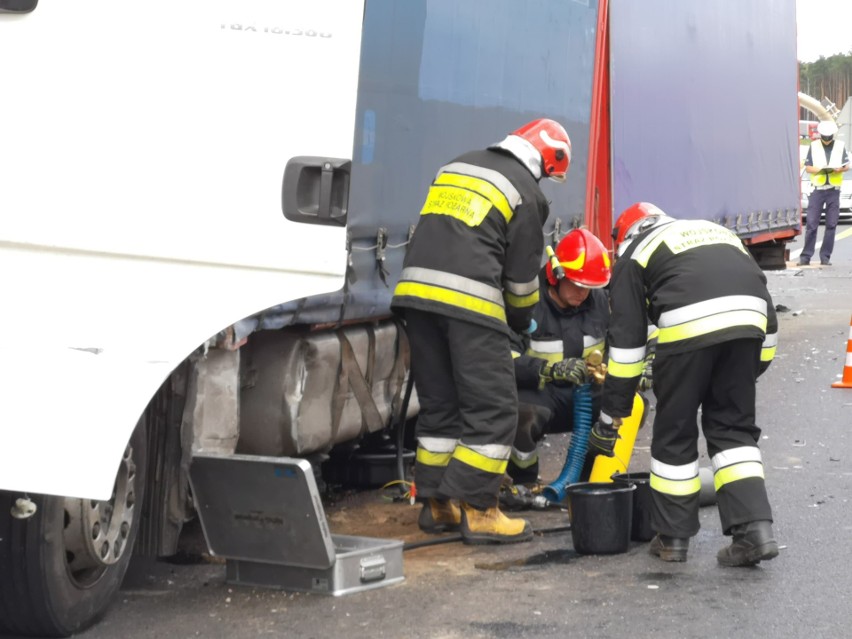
{"x": 61, "y": 567}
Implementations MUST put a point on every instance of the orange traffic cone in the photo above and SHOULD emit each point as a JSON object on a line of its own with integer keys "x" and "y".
{"x": 846, "y": 382}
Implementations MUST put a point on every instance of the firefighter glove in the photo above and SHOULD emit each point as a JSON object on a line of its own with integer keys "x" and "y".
{"x": 604, "y": 435}
{"x": 569, "y": 371}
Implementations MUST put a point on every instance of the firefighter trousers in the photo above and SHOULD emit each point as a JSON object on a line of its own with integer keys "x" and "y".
{"x": 542, "y": 412}
{"x": 465, "y": 382}
{"x": 720, "y": 380}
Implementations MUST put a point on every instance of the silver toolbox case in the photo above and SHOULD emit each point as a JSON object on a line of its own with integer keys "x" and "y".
{"x": 265, "y": 516}
{"x": 360, "y": 563}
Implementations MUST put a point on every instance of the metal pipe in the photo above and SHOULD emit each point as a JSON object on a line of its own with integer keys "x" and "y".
{"x": 813, "y": 105}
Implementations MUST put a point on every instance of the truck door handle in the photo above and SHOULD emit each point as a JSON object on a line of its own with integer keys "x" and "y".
{"x": 17, "y": 6}
{"x": 315, "y": 190}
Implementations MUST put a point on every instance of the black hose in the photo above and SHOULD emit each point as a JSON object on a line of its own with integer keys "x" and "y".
{"x": 449, "y": 539}
{"x": 400, "y": 432}
{"x": 411, "y": 545}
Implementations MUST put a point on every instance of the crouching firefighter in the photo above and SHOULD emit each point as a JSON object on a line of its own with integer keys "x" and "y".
{"x": 570, "y": 322}
{"x": 717, "y": 334}
{"x": 470, "y": 275}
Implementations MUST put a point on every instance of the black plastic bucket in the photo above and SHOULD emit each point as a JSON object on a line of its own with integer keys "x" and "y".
{"x": 640, "y": 529}
{"x": 600, "y": 516}
{"x": 707, "y": 496}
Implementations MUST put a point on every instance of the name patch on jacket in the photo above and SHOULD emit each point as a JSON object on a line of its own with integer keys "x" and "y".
{"x": 679, "y": 239}
{"x": 465, "y": 206}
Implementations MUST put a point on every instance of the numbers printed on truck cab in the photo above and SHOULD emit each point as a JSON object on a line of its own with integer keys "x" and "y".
{"x": 310, "y": 33}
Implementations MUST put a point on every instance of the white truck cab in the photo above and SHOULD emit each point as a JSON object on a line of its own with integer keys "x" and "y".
{"x": 142, "y": 157}
{"x": 204, "y": 207}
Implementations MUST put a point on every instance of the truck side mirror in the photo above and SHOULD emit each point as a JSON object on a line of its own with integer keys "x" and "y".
{"x": 315, "y": 190}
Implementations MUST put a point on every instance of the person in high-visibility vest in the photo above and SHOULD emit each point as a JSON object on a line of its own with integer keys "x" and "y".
{"x": 826, "y": 163}
{"x": 469, "y": 278}
{"x": 718, "y": 332}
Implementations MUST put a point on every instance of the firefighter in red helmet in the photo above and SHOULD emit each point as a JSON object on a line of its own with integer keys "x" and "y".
{"x": 470, "y": 277}
{"x": 571, "y": 320}
{"x": 718, "y": 332}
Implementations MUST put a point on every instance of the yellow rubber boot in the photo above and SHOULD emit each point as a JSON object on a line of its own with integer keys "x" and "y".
{"x": 491, "y": 526}
{"x": 439, "y": 515}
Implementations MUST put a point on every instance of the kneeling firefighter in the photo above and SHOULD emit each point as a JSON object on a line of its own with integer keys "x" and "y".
{"x": 717, "y": 333}
{"x": 571, "y": 320}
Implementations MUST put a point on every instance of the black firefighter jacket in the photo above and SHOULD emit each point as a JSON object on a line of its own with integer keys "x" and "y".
{"x": 477, "y": 248}
{"x": 697, "y": 282}
{"x": 560, "y": 334}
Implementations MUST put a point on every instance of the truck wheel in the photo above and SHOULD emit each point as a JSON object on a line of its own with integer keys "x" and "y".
{"x": 60, "y": 568}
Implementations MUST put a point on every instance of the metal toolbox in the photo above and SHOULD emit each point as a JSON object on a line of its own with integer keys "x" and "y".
{"x": 360, "y": 563}
{"x": 265, "y": 516}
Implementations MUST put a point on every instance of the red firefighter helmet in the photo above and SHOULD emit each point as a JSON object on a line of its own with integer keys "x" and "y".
{"x": 551, "y": 140}
{"x": 584, "y": 259}
{"x": 633, "y": 220}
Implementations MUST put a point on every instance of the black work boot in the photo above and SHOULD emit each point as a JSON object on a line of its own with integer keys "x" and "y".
{"x": 753, "y": 542}
{"x": 669, "y": 548}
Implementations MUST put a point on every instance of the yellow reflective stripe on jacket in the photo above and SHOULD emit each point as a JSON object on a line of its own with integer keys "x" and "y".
{"x": 711, "y": 307}
{"x": 454, "y": 282}
{"x": 624, "y": 370}
{"x": 770, "y": 345}
{"x": 711, "y": 315}
{"x": 551, "y": 358}
{"x": 521, "y": 301}
{"x": 454, "y": 290}
{"x": 500, "y": 181}
{"x": 548, "y": 350}
{"x": 521, "y": 294}
{"x": 482, "y": 461}
{"x": 521, "y": 288}
{"x": 452, "y": 298}
{"x": 626, "y": 362}
{"x": 707, "y": 325}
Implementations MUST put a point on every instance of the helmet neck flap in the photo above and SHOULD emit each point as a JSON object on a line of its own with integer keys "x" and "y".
{"x": 523, "y": 151}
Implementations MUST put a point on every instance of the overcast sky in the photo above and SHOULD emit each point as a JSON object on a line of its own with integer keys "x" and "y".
{"x": 824, "y": 27}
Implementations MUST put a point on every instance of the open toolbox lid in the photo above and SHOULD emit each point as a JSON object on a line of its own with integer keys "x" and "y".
{"x": 261, "y": 509}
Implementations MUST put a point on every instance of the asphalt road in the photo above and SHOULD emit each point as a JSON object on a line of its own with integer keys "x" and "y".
{"x": 543, "y": 588}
